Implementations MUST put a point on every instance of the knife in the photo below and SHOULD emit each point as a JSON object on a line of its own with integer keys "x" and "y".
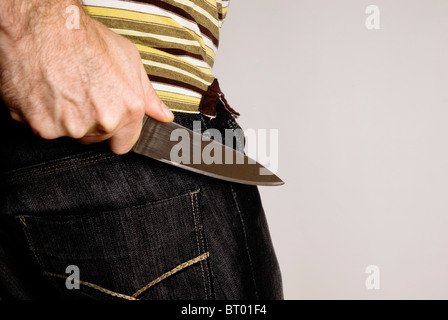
{"x": 160, "y": 141}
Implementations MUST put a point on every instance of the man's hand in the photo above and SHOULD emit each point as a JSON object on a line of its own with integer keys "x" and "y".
{"x": 87, "y": 83}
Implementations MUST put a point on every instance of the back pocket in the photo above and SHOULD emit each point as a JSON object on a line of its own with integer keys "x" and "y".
{"x": 152, "y": 251}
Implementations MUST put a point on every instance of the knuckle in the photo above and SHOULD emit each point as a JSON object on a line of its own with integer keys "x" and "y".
{"x": 45, "y": 133}
{"x": 42, "y": 129}
{"x": 107, "y": 124}
{"x": 137, "y": 107}
{"x": 136, "y": 110}
{"x": 75, "y": 131}
{"x": 111, "y": 119}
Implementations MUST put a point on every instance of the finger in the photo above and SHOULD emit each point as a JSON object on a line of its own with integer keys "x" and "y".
{"x": 123, "y": 140}
{"x": 102, "y": 129}
{"x": 94, "y": 138}
{"x": 155, "y": 108}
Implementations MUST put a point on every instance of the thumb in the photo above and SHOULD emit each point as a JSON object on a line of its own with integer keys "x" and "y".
{"x": 154, "y": 108}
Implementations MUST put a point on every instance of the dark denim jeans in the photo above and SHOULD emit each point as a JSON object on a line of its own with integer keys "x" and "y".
{"x": 134, "y": 227}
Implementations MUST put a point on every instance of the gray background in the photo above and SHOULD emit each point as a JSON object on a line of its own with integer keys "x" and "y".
{"x": 362, "y": 118}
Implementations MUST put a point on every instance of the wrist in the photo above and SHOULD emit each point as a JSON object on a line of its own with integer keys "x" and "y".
{"x": 16, "y": 17}
{"x": 19, "y": 18}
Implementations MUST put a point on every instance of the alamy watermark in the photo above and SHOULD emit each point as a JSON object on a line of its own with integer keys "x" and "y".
{"x": 73, "y": 280}
{"x": 373, "y": 278}
{"x": 72, "y": 21}
{"x": 373, "y": 18}
{"x": 257, "y": 144}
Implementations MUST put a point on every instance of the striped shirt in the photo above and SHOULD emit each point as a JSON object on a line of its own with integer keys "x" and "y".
{"x": 177, "y": 41}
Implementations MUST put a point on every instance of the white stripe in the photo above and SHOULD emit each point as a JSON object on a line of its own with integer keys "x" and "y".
{"x": 174, "y": 89}
{"x": 210, "y": 44}
{"x": 195, "y": 62}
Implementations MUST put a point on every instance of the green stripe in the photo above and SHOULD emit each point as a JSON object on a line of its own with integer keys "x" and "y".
{"x": 142, "y": 26}
{"x": 150, "y": 70}
{"x": 184, "y": 66}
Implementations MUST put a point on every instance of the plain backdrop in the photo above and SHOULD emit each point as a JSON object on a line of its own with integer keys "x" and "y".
{"x": 362, "y": 117}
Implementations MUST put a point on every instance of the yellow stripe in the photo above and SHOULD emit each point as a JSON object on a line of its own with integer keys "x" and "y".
{"x": 212, "y": 2}
{"x": 150, "y": 50}
{"x": 185, "y": 111}
{"x": 207, "y": 71}
{"x": 131, "y": 15}
{"x": 178, "y": 97}
{"x": 145, "y": 17}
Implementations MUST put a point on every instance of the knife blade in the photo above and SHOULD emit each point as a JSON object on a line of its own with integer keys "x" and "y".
{"x": 197, "y": 153}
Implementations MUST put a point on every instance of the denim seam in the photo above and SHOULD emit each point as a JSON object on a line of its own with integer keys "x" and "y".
{"x": 200, "y": 243}
{"x": 30, "y": 240}
{"x": 117, "y": 208}
{"x": 204, "y": 123}
{"x": 232, "y": 124}
{"x": 245, "y": 239}
{"x": 42, "y": 170}
{"x": 193, "y": 207}
{"x": 57, "y": 162}
{"x": 240, "y": 142}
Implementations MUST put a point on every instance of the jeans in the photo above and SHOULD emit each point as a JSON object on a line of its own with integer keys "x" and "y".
{"x": 79, "y": 222}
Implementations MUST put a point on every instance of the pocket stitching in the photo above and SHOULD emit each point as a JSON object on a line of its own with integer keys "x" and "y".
{"x": 141, "y": 290}
{"x": 30, "y": 241}
{"x": 173, "y": 271}
{"x": 91, "y": 285}
{"x": 43, "y": 169}
{"x": 78, "y": 215}
{"x": 201, "y": 244}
